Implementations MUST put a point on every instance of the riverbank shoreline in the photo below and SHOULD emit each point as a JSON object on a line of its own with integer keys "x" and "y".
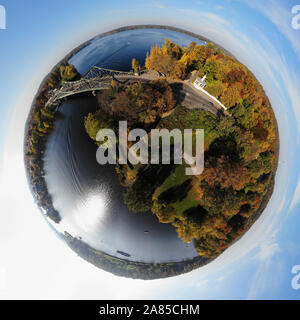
{"x": 164, "y": 27}
{"x": 35, "y": 174}
{"x": 132, "y": 269}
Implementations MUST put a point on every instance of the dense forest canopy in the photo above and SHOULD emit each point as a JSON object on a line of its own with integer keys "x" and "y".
{"x": 241, "y": 150}
{"x": 215, "y": 208}
{"x": 227, "y": 79}
{"x": 40, "y": 125}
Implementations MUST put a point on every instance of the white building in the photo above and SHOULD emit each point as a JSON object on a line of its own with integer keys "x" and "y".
{"x": 200, "y": 83}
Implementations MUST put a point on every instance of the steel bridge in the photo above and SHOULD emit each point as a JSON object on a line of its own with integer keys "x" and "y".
{"x": 95, "y": 79}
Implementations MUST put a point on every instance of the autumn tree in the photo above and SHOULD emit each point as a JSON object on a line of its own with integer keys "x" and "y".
{"x": 135, "y": 65}
{"x": 179, "y": 71}
{"x": 142, "y": 102}
{"x": 172, "y": 49}
{"x": 68, "y": 72}
{"x": 225, "y": 173}
{"x": 216, "y": 207}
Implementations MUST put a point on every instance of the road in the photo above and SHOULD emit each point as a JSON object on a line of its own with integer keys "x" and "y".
{"x": 191, "y": 98}
{"x": 184, "y": 91}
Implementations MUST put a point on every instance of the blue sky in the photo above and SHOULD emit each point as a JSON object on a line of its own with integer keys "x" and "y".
{"x": 40, "y": 33}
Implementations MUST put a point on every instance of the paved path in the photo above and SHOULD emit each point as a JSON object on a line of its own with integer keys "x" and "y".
{"x": 184, "y": 91}
{"x": 189, "y": 97}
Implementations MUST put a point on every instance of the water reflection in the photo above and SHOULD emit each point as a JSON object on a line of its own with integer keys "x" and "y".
{"x": 95, "y": 221}
{"x": 89, "y": 200}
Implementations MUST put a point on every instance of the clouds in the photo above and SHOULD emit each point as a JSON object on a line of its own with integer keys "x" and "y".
{"x": 280, "y": 13}
{"x": 267, "y": 250}
{"x": 270, "y": 62}
{"x": 219, "y": 7}
{"x": 159, "y": 5}
{"x": 296, "y": 198}
{"x": 268, "y": 265}
{"x": 35, "y": 264}
{"x": 201, "y": 284}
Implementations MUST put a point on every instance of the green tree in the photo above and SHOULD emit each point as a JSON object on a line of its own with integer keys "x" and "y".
{"x": 99, "y": 120}
{"x": 138, "y": 198}
{"x": 211, "y": 70}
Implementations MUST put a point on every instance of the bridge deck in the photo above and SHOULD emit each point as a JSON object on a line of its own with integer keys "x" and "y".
{"x": 100, "y": 79}
{"x": 96, "y": 79}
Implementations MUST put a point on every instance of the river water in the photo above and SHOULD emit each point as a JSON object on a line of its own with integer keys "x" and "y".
{"x": 87, "y": 195}
{"x": 117, "y": 50}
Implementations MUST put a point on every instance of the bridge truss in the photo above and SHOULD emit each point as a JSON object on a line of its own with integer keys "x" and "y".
{"x": 95, "y": 79}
